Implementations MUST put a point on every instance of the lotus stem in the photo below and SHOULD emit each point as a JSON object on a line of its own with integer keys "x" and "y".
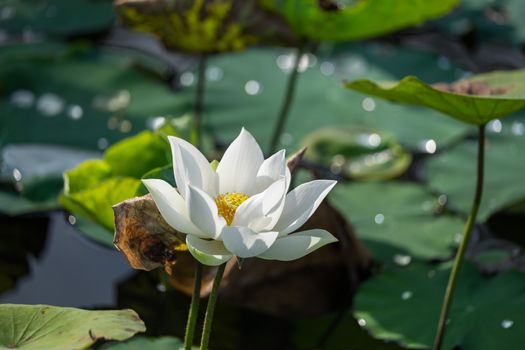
{"x": 288, "y": 99}
{"x": 199, "y": 99}
{"x": 449, "y": 293}
{"x": 208, "y": 318}
{"x": 194, "y": 308}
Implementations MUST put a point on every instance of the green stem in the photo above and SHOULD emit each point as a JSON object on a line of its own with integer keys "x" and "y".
{"x": 449, "y": 293}
{"x": 194, "y": 308}
{"x": 199, "y": 98}
{"x": 208, "y": 319}
{"x": 288, "y": 98}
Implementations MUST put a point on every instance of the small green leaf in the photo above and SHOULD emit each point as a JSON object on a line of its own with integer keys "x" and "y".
{"x": 87, "y": 175}
{"x": 37, "y": 327}
{"x": 402, "y": 304}
{"x": 359, "y": 19}
{"x": 96, "y": 203}
{"x": 397, "y": 221}
{"x": 138, "y": 154}
{"x": 477, "y": 100}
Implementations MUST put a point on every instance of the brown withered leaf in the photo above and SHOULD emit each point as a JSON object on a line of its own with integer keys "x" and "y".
{"x": 148, "y": 242}
{"x": 144, "y": 236}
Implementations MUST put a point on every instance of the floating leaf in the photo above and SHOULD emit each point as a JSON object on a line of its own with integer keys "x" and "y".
{"x": 329, "y": 20}
{"x": 476, "y": 100}
{"x": 41, "y": 89}
{"x": 397, "y": 221}
{"x": 320, "y": 101}
{"x": 358, "y": 153}
{"x": 486, "y": 313}
{"x": 449, "y": 173}
{"x": 36, "y": 327}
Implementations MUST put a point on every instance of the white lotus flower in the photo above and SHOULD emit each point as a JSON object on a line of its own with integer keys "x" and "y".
{"x": 242, "y": 208}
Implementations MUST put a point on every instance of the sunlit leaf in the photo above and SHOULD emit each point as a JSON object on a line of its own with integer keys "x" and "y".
{"x": 476, "y": 100}
{"x": 95, "y": 203}
{"x": 36, "y": 327}
{"x": 137, "y": 155}
{"x": 334, "y": 20}
{"x": 402, "y": 304}
{"x": 93, "y": 187}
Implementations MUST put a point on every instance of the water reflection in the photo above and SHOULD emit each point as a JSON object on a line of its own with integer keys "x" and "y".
{"x": 22, "y": 98}
{"x": 506, "y": 324}
{"x": 406, "y": 295}
{"x": 50, "y": 104}
{"x": 252, "y": 87}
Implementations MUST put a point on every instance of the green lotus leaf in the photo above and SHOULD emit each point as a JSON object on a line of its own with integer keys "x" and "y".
{"x": 37, "y": 327}
{"x": 476, "y": 100}
{"x": 94, "y": 186}
{"x": 398, "y": 221}
{"x": 333, "y": 21}
{"x": 41, "y": 89}
{"x": 320, "y": 102}
{"x": 95, "y": 203}
{"x": 137, "y": 155}
{"x": 357, "y": 153}
{"x": 448, "y": 173}
{"x": 402, "y": 304}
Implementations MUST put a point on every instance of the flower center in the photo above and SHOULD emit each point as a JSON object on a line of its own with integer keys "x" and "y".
{"x": 228, "y": 203}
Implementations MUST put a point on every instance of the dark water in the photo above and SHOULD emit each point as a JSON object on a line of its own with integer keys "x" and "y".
{"x": 69, "y": 271}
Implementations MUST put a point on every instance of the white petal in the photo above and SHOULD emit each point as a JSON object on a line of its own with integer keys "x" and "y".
{"x": 260, "y": 204}
{"x": 211, "y": 253}
{"x": 203, "y": 212}
{"x": 245, "y": 243}
{"x": 301, "y": 203}
{"x": 270, "y": 171}
{"x": 190, "y": 167}
{"x": 239, "y": 165}
{"x": 172, "y": 206}
{"x": 297, "y": 245}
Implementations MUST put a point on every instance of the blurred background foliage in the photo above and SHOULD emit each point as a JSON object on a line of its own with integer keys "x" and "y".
{"x": 92, "y": 90}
